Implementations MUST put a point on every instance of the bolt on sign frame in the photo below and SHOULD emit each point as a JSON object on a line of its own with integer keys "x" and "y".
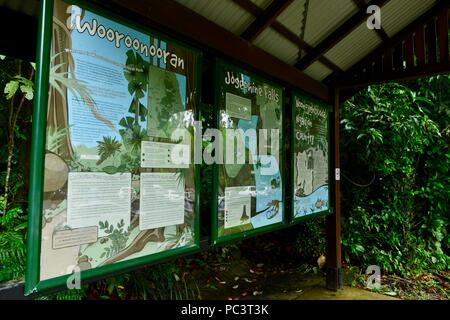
{"x": 310, "y": 158}
{"x": 246, "y": 199}
{"x": 135, "y": 60}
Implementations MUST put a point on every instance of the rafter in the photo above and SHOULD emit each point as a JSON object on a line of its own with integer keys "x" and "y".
{"x": 361, "y": 4}
{"x": 336, "y": 36}
{"x": 264, "y": 19}
{"x": 382, "y": 34}
{"x": 171, "y": 16}
{"x": 254, "y": 10}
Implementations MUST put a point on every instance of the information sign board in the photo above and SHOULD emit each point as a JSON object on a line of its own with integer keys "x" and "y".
{"x": 113, "y": 185}
{"x": 249, "y": 181}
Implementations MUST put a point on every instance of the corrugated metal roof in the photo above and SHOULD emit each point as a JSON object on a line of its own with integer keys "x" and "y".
{"x": 262, "y": 3}
{"x": 354, "y": 47}
{"x": 318, "y": 71}
{"x": 224, "y": 13}
{"x": 397, "y": 14}
{"x": 292, "y": 16}
{"x": 325, "y": 16}
{"x": 271, "y": 42}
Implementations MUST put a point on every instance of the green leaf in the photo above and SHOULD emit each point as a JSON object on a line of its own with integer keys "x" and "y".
{"x": 139, "y": 92}
{"x": 142, "y": 112}
{"x": 132, "y": 107}
{"x": 11, "y": 88}
{"x": 122, "y": 168}
{"x": 24, "y": 81}
{"x": 132, "y": 86}
{"x": 126, "y": 122}
{"x": 360, "y": 136}
{"x": 28, "y": 91}
{"x": 110, "y": 169}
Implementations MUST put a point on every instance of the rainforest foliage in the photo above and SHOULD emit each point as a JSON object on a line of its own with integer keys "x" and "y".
{"x": 395, "y": 161}
{"x": 395, "y": 187}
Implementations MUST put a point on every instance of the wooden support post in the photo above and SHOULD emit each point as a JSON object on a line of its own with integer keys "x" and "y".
{"x": 387, "y": 60}
{"x": 442, "y": 30}
{"x": 397, "y": 57}
{"x": 333, "y": 246}
{"x": 431, "y": 43}
{"x": 409, "y": 52}
{"x": 419, "y": 49}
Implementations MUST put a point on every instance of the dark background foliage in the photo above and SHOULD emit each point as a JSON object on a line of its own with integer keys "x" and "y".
{"x": 395, "y": 159}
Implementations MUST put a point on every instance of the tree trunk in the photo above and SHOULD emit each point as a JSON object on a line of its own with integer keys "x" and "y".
{"x": 136, "y": 112}
{"x": 8, "y": 172}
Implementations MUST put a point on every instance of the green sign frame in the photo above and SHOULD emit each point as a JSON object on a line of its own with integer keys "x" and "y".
{"x": 217, "y": 239}
{"x": 33, "y": 282}
{"x": 295, "y": 95}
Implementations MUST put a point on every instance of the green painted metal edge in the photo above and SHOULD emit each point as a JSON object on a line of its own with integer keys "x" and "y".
{"x": 216, "y": 239}
{"x": 37, "y": 145}
{"x": 215, "y": 182}
{"x": 197, "y": 167}
{"x": 119, "y": 267}
{"x": 33, "y": 284}
{"x": 293, "y": 219}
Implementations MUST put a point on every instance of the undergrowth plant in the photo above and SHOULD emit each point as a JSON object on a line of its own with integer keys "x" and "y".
{"x": 395, "y": 156}
{"x": 16, "y": 81}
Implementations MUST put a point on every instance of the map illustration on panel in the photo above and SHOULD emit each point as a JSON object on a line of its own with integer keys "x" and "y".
{"x": 250, "y": 196}
{"x": 310, "y": 157}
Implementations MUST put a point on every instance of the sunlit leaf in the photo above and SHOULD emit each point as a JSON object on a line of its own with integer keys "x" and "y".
{"x": 11, "y": 88}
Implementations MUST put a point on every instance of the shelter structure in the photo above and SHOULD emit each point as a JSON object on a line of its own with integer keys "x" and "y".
{"x": 328, "y": 49}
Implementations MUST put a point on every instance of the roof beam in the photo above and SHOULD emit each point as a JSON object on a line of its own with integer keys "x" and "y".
{"x": 382, "y": 34}
{"x": 265, "y": 19}
{"x": 361, "y": 4}
{"x": 253, "y": 9}
{"x": 178, "y": 20}
{"x": 295, "y": 39}
{"x": 335, "y": 37}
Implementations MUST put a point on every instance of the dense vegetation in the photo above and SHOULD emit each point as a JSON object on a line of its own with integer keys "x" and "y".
{"x": 396, "y": 191}
{"x": 395, "y": 156}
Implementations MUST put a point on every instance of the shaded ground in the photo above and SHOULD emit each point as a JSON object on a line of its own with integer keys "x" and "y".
{"x": 241, "y": 280}
{"x": 259, "y": 269}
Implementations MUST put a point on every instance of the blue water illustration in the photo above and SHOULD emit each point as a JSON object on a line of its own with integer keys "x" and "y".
{"x": 266, "y": 193}
{"x": 312, "y": 203}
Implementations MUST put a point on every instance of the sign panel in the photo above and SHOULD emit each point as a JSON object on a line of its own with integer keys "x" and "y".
{"x": 119, "y": 187}
{"x": 310, "y": 160}
{"x": 249, "y": 185}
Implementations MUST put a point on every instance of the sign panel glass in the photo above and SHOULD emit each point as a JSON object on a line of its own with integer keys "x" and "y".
{"x": 310, "y": 157}
{"x": 119, "y": 184}
{"x": 249, "y": 189}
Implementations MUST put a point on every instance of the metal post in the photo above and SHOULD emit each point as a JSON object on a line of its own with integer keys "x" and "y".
{"x": 333, "y": 223}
